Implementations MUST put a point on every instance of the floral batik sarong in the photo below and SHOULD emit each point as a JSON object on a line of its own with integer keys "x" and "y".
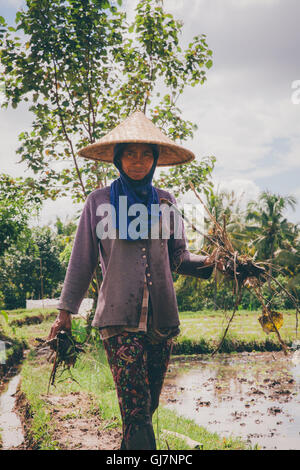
{"x": 138, "y": 369}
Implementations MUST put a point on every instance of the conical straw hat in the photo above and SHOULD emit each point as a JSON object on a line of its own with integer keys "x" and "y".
{"x": 137, "y": 128}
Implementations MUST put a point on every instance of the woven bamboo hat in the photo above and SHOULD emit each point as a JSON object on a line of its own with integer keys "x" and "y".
{"x": 137, "y": 128}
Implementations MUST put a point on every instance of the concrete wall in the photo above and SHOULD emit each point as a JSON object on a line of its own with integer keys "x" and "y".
{"x": 84, "y": 309}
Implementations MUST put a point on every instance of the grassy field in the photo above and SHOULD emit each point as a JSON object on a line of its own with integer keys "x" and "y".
{"x": 49, "y": 419}
{"x": 201, "y": 332}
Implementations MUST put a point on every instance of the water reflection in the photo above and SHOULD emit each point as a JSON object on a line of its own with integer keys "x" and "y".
{"x": 255, "y": 396}
{"x": 10, "y": 424}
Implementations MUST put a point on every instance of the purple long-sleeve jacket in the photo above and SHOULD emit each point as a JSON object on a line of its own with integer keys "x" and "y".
{"x": 124, "y": 265}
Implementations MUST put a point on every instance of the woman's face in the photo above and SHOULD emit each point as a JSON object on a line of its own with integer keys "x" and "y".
{"x": 137, "y": 160}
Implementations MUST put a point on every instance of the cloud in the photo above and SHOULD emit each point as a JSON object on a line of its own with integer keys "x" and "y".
{"x": 252, "y": 3}
{"x": 244, "y": 111}
{"x": 64, "y": 208}
{"x": 243, "y": 188}
{"x": 12, "y": 123}
{"x": 241, "y": 129}
{"x": 12, "y": 3}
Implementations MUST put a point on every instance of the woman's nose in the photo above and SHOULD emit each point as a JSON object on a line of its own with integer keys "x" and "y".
{"x": 139, "y": 157}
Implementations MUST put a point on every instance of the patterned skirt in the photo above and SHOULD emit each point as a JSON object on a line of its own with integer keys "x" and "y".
{"x": 138, "y": 367}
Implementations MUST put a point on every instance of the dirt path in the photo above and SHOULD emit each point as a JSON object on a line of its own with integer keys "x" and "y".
{"x": 76, "y": 423}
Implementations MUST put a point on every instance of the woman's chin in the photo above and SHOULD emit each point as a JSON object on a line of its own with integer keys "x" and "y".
{"x": 136, "y": 176}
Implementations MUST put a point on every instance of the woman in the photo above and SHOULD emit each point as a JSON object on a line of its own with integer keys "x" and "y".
{"x": 136, "y": 310}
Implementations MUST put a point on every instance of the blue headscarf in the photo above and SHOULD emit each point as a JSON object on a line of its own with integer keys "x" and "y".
{"x": 137, "y": 191}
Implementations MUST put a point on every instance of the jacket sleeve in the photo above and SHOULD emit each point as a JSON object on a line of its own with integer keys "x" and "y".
{"x": 83, "y": 261}
{"x": 184, "y": 262}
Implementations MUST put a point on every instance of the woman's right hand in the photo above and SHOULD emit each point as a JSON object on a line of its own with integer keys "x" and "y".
{"x": 62, "y": 322}
{"x": 211, "y": 260}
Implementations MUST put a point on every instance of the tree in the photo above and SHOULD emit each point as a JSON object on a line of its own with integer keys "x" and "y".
{"x": 17, "y": 204}
{"x": 225, "y": 209}
{"x": 288, "y": 258}
{"x": 83, "y": 68}
{"x": 65, "y": 237}
{"x": 33, "y": 270}
{"x": 178, "y": 178}
{"x": 66, "y": 229}
{"x": 269, "y": 226}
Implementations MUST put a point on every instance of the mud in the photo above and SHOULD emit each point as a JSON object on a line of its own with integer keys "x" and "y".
{"x": 75, "y": 421}
{"x": 78, "y": 424}
{"x": 254, "y": 396}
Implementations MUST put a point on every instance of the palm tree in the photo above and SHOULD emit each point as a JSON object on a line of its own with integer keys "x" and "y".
{"x": 271, "y": 228}
{"x": 225, "y": 207}
{"x": 289, "y": 258}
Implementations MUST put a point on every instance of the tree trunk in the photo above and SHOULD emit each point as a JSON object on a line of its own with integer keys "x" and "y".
{"x": 270, "y": 268}
{"x": 215, "y": 294}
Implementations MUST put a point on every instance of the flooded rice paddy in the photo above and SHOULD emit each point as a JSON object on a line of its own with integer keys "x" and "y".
{"x": 254, "y": 396}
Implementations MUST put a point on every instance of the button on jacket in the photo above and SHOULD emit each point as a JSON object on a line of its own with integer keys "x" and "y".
{"x": 124, "y": 265}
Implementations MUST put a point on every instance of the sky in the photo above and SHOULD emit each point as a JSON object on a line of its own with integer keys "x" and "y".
{"x": 246, "y": 112}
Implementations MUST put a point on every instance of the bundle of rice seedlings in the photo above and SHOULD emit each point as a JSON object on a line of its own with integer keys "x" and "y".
{"x": 64, "y": 352}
